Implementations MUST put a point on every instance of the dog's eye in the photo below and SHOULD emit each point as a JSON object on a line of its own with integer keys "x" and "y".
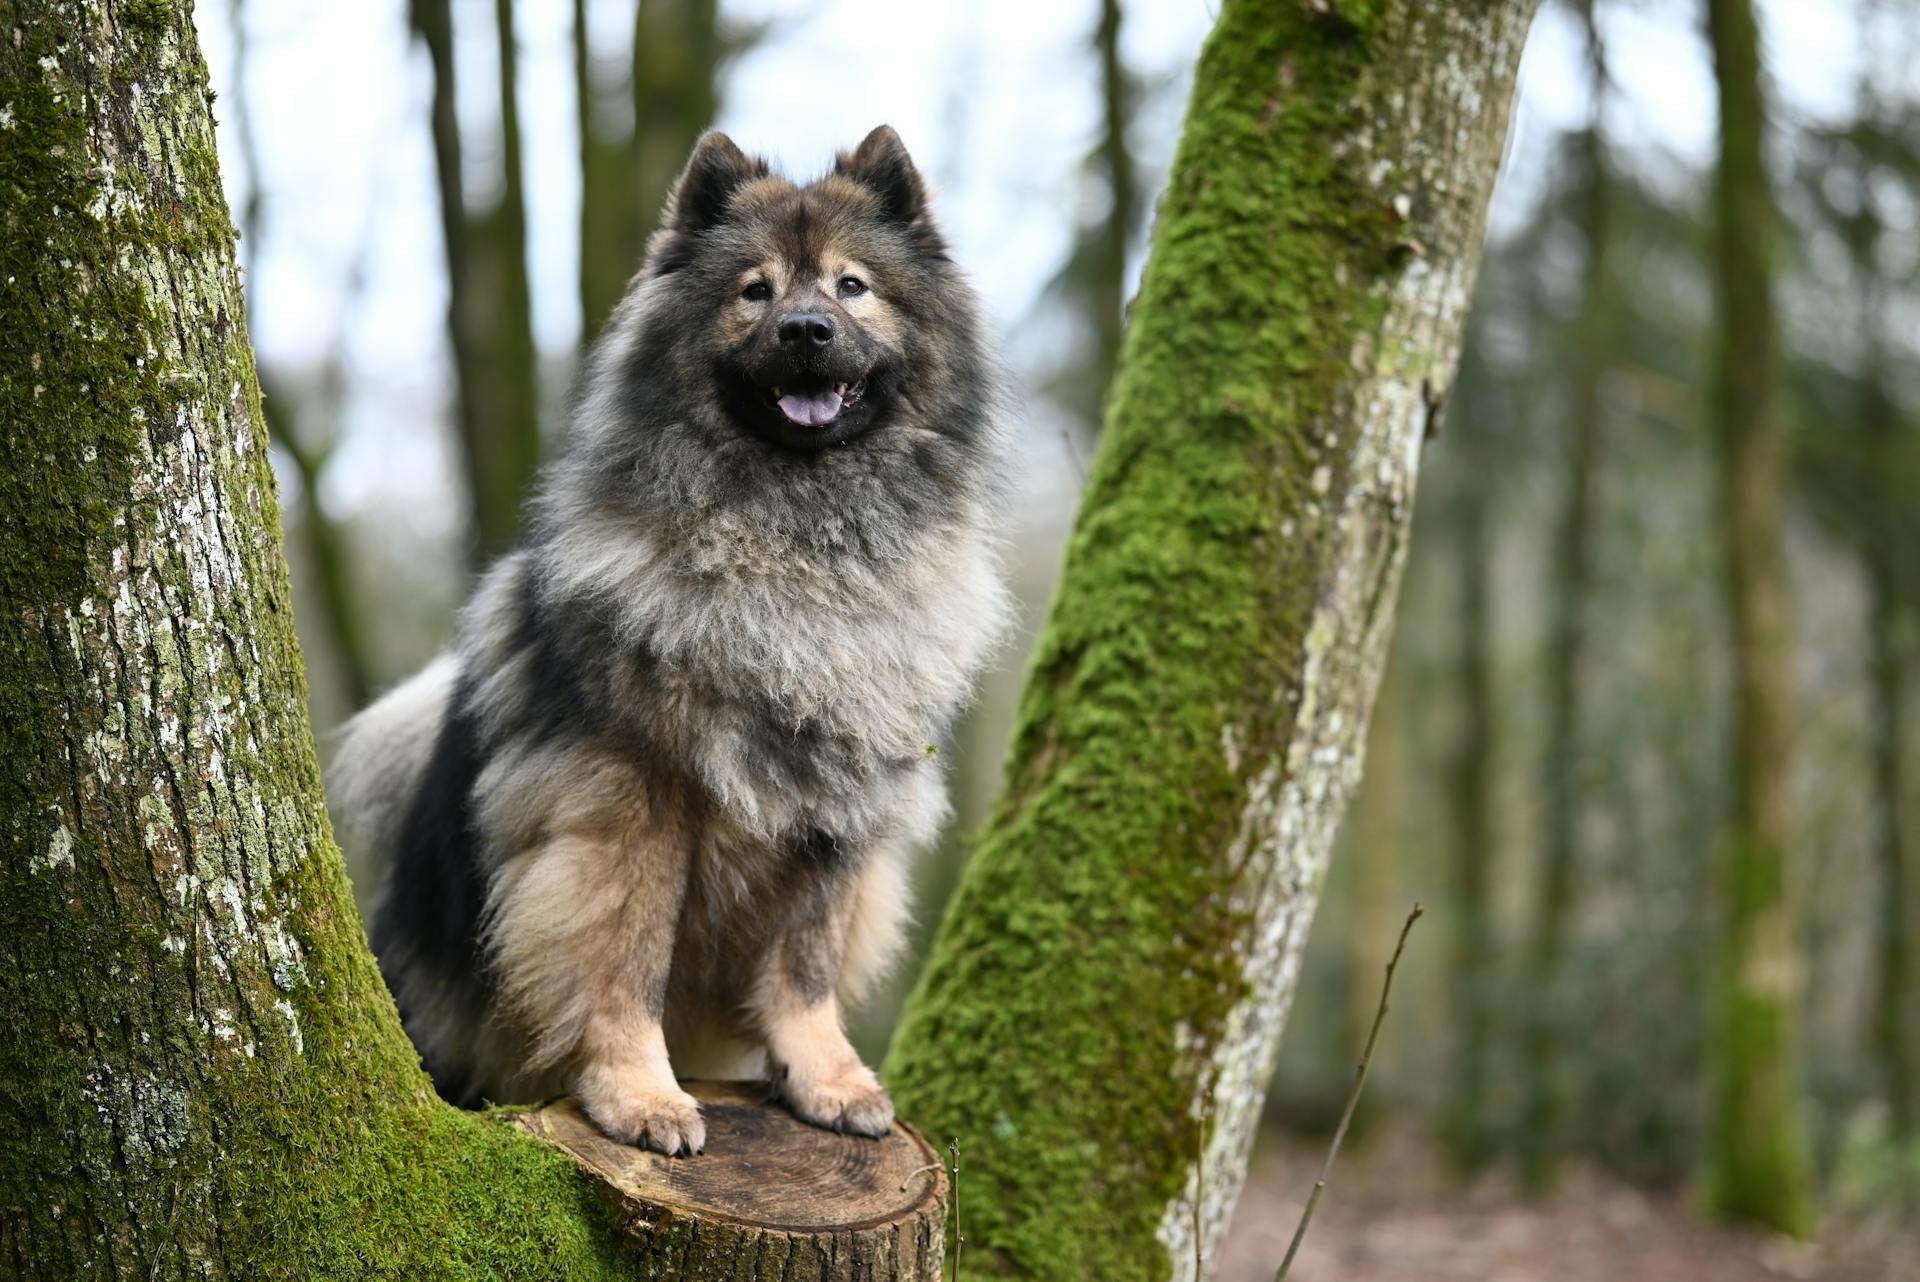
{"x": 758, "y": 292}
{"x": 852, "y": 287}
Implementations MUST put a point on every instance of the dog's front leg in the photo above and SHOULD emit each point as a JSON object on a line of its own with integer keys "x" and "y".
{"x": 813, "y": 1065}
{"x": 583, "y": 932}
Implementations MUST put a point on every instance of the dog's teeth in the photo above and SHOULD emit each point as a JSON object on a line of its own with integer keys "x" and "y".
{"x": 839, "y": 389}
{"x": 778, "y": 391}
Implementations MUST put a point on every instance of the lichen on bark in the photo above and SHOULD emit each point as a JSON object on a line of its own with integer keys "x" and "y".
{"x": 1101, "y": 1010}
{"x": 203, "y": 1074}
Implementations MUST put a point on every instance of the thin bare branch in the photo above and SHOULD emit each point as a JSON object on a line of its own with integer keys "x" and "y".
{"x": 1353, "y": 1098}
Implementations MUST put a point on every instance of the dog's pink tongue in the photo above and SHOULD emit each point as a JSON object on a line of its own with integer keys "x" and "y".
{"x": 813, "y": 409}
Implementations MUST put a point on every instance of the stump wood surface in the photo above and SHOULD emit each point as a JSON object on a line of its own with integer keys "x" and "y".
{"x": 770, "y": 1197}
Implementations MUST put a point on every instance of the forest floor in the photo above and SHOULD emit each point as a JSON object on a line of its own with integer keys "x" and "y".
{"x": 1392, "y": 1214}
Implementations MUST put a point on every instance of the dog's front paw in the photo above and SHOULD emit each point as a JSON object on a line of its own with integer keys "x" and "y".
{"x": 666, "y": 1121}
{"x": 852, "y": 1101}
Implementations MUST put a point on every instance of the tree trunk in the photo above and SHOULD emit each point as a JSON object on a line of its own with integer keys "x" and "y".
{"x": 1099, "y": 1016}
{"x": 1092, "y": 283}
{"x": 801, "y": 1203}
{"x": 1108, "y": 301}
{"x": 1759, "y": 1167}
{"x": 326, "y": 542}
{"x": 489, "y": 309}
{"x": 599, "y": 176}
{"x": 327, "y": 553}
{"x": 673, "y": 81}
{"x": 1469, "y": 1130}
{"x": 1895, "y": 1024}
{"x": 1377, "y": 909}
{"x": 203, "y": 1075}
{"x": 1566, "y": 653}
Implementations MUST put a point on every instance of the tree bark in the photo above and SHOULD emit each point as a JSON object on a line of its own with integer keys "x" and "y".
{"x": 1469, "y": 1130}
{"x": 1759, "y": 1166}
{"x": 203, "y": 1075}
{"x": 1100, "y": 1013}
{"x": 800, "y": 1203}
{"x": 1545, "y": 1043}
{"x": 327, "y": 551}
{"x": 489, "y": 308}
{"x": 326, "y": 541}
{"x": 673, "y": 80}
{"x": 1092, "y": 283}
{"x": 1382, "y": 822}
{"x": 1896, "y": 1026}
{"x": 1108, "y": 280}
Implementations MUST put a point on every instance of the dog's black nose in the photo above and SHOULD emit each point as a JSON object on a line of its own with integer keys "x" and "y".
{"x": 807, "y": 327}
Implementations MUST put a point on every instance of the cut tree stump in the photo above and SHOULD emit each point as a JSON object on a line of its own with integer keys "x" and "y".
{"x": 771, "y": 1197}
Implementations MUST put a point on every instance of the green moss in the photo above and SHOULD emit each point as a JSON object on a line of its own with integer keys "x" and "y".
{"x": 1088, "y": 938}
{"x": 1761, "y": 1164}
{"x": 1760, "y": 1167}
{"x": 346, "y": 1165}
{"x": 72, "y": 367}
{"x": 203, "y": 1074}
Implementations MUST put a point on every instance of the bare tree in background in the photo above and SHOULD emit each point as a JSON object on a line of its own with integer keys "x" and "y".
{"x": 305, "y": 424}
{"x": 1759, "y": 1166}
{"x": 1882, "y": 147}
{"x": 1092, "y": 283}
{"x": 1862, "y": 473}
{"x": 489, "y": 312}
{"x": 1893, "y": 570}
{"x": 631, "y": 151}
{"x": 1470, "y": 802}
{"x": 1572, "y": 587}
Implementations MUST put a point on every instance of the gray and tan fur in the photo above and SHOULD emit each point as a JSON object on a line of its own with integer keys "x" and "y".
{"x": 661, "y": 790}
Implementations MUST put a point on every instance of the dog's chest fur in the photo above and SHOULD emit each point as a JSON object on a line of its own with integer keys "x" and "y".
{"x": 802, "y": 686}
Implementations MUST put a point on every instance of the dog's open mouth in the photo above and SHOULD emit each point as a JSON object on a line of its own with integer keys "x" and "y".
{"x": 816, "y": 403}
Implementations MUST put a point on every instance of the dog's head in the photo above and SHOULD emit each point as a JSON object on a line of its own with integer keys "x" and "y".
{"x": 812, "y": 309}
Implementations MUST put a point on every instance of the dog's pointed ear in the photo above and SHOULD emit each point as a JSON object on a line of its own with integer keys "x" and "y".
{"x": 716, "y": 170}
{"x": 881, "y": 164}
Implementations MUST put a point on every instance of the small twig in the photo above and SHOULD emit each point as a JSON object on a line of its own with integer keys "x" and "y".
{"x": 959, "y": 1238}
{"x": 1353, "y": 1098}
{"x": 1200, "y": 1179}
{"x": 1073, "y": 453}
{"x": 919, "y": 1170}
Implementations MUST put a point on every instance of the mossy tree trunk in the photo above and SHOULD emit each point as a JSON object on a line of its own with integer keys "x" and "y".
{"x": 1759, "y": 1164}
{"x": 203, "y": 1076}
{"x": 1545, "y": 1039}
{"x": 1098, "y": 1020}
{"x": 489, "y": 306}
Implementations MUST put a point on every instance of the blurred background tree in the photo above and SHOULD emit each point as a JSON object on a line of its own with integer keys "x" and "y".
{"x": 1758, "y": 1164}
{"x": 1552, "y": 766}
{"x": 489, "y": 308}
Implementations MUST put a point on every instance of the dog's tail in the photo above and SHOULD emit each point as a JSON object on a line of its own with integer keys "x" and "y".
{"x": 382, "y": 752}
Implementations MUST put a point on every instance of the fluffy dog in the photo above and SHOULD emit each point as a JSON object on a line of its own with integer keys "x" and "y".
{"x": 661, "y": 789}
